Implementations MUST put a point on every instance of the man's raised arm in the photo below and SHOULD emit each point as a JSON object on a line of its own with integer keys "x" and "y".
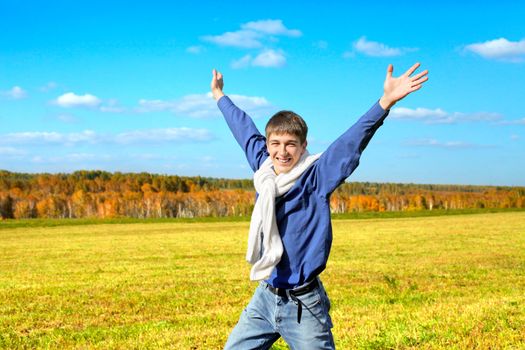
{"x": 240, "y": 124}
{"x": 342, "y": 157}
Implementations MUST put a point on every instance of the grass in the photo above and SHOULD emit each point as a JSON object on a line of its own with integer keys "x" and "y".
{"x": 10, "y": 223}
{"x": 444, "y": 282}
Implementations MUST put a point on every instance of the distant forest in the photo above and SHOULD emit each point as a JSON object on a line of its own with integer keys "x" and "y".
{"x": 101, "y": 194}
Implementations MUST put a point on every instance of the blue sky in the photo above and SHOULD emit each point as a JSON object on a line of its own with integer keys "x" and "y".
{"x": 122, "y": 86}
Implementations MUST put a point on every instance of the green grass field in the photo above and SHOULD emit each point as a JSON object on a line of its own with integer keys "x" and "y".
{"x": 444, "y": 282}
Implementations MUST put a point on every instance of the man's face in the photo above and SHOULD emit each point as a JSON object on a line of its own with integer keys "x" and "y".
{"x": 285, "y": 151}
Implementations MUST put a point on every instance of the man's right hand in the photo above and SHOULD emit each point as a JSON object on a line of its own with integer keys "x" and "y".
{"x": 396, "y": 89}
{"x": 216, "y": 85}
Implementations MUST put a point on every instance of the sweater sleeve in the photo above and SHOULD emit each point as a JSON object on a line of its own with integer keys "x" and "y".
{"x": 245, "y": 132}
{"x": 342, "y": 156}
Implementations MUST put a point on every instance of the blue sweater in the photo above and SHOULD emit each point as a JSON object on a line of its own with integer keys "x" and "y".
{"x": 303, "y": 213}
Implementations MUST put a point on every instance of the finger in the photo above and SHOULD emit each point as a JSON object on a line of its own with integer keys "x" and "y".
{"x": 412, "y": 69}
{"x": 419, "y": 81}
{"x": 417, "y": 86}
{"x": 423, "y": 73}
{"x": 219, "y": 76}
{"x": 389, "y": 71}
{"x": 414, "y": 88}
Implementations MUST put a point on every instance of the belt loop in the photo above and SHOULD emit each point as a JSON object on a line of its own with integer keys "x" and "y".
{"x": 289, "y": 295}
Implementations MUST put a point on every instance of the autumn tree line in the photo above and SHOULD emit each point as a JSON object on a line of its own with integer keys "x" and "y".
{"x": 101, "y": 194}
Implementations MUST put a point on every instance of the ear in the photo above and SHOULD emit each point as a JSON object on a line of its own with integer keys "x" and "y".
{"x": 304, "y": 146}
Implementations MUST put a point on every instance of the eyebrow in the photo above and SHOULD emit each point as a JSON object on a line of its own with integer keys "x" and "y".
{"x": 286, "y": 141}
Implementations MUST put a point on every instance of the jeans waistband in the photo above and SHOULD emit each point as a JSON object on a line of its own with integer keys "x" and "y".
{"x": 282, "y": 292}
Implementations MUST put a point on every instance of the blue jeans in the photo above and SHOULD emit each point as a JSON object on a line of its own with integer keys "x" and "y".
{"x": 269, "y": 317}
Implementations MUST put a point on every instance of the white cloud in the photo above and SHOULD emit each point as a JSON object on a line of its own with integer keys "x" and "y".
{"x": 67, "y": 118}
{"x": 84, "y": 136}
{"x": 195, "y": 106}
{"x": 409, "y": 156}
{"x": 49, "y": 86}
{"x": 32, "y": 137}
{"x": 477, "y": 117}
{"x": 207, "y": 159}
{"x": 112, "y": 106}
{"x": 376, "y": 49}
{"x": 37, "y": 159}
{"x": 197, "y": 49}
{"x": 255, "y": 106}
{"x": 153, "y": 156}
{"x": 501, "y": 49}
{"x": 203, "y": 105}
{"x": 441, "y": 144}
{"x": 253, "y": 34}
{"x": 164, "y": 135}
{"x": 425, "y": 114}
{"x": 16, "y": 93}
{"x": 243, "y": 38}
{"x": 112, "y": 109}
{"x": 272, "y": 27}
{"x": 513, "y": 122}
{"x": 269, "y": 58}
{"x": 514, "y": 137}
{"x": 76, "y": 157}
{"x": 439, "y": 116}
{"x": 242, "y": 62}
{"x": 147, "y": 106}
{"x": 70, "y": 99}
{"x": 42, "y": 137}
{"x": 88, "y": 136}
{"x": 71, "y": 158}
{"x": 10, "y": 151}
{"x": 373, "y": 48}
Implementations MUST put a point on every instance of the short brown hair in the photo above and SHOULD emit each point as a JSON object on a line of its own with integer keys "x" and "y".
{"x": 287, "y": 122}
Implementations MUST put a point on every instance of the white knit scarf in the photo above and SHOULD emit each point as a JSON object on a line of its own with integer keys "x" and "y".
{"x": 263, "y": 225}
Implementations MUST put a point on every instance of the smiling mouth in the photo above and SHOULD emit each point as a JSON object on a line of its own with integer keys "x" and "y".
{"x": 283, "y": 161}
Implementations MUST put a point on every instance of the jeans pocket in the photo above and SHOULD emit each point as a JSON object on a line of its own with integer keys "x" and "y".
{"x": 327, "y": 305}
{"x": 326, "y": 301}
{"x": 311, "y": 299}
{"x": 315, "y": 308}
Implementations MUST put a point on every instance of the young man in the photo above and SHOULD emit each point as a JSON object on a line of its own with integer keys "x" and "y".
{"x": 290, "y": 231}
